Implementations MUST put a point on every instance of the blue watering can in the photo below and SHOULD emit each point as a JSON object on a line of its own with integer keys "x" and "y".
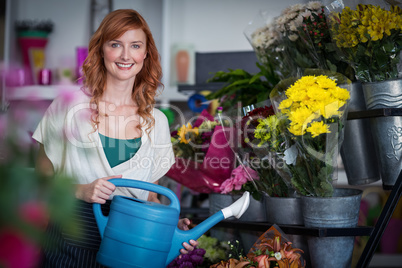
{"x": 139, "y": 233}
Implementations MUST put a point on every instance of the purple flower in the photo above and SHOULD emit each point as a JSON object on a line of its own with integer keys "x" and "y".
{"x": 186, "y": 264}
{"x": 197, "y": 260}
{"x": 199, "y": 251}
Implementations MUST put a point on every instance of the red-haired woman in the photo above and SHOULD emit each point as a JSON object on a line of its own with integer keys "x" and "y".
{"x": 109, "y": 129}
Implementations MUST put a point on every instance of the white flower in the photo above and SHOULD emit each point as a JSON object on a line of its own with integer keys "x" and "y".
{"x": 281, "y": 20}
{"x": 293, "y": 37}
{"x": 292, "y": 26}
{"x": 299, "y": 21}
{"x": 306, "y": 14}
{"x": 314, "y": 5}
{"x": 278, "y": 256}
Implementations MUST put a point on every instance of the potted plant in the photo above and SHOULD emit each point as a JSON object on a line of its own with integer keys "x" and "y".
{"x": 370, "y": 39}
{"x": 315, "y": 107}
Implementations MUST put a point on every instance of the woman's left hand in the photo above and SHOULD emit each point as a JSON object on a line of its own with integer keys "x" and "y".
{"x": 183, "y": 225}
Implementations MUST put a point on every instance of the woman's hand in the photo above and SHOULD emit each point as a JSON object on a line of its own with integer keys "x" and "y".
{"x": 183, "y": 225}
{"x": 97, "y": 191}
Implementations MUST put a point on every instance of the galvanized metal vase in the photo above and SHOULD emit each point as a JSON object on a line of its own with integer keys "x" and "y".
{"x": 387, "y": 131}
{"x": 339, "y": 211}
{"x": 358, "y": 153}
{"x": 288, "y": 211}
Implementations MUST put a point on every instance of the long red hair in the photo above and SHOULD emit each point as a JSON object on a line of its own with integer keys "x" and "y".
{"x": 147, "y": 81}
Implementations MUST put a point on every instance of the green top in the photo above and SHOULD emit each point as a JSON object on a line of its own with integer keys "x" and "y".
{"x": 118, "y": 151}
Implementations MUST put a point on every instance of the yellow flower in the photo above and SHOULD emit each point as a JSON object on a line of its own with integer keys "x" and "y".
{"x": 340, "y": 93}
{"x": 325, "y": 82}
{"x": 184, "y": 130}
{"x": 302, "y": 116}
{"x": 296, "y": 129}
{"x": 285, "y": 104}
{"x": 317, "y": 128}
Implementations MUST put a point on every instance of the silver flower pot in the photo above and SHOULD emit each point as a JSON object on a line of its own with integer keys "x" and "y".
{"x": 387, "y": 131}
{"x": 340, "y": 210}
{"x": 358, "y": 153}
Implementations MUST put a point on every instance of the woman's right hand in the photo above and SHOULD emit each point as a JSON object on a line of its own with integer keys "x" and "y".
{"x": 97, "y": 191}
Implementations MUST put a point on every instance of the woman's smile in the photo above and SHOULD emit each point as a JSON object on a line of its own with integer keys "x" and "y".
{"x": 123, "y": 66}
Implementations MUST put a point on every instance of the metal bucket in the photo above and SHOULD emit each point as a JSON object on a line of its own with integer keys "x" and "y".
{"x": 358, "y": 152}
{"x": 387, "y": 131}
{"x": 339, "y": 211}
{"x": 288, "y": 211}
{"x": 284, "y": 210}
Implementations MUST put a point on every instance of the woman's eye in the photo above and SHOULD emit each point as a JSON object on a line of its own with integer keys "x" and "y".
{"x": 136, "y": 46}
{"x": 115, "y": 45}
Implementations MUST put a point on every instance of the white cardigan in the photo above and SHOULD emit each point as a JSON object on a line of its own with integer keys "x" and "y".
{"x": 75, "y": 149}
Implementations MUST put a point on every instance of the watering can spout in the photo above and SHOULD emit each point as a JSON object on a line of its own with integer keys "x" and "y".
{"x": 236, "y": 209}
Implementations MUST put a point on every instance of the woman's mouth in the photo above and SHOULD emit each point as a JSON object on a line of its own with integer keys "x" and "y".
{"x": 124, "y": 66}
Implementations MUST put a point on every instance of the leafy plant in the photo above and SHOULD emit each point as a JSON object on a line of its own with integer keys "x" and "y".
{"x": 244, "y": 87}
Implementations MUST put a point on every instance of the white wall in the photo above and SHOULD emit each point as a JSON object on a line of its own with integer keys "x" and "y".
{"x": 210, "y": 25}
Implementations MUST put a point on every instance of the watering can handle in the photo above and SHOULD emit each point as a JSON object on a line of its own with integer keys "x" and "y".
{"x": 101, "y": 219}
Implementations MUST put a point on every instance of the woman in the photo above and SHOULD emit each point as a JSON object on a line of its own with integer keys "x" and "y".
{"x": 109, "y": 129}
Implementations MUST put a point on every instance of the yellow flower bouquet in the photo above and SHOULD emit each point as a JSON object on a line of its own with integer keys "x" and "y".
{"x": 370, "y": 39}
{"x": 315, "y": 109}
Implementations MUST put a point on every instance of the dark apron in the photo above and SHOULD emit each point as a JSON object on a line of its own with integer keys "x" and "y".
{"x": 76, "y": 250}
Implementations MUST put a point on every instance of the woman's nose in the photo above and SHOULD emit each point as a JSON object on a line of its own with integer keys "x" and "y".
{"x": 124, "y": 54}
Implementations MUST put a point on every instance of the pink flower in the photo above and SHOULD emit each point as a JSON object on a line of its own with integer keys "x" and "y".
{"x": 227, "y": 186}
{"x": 239, "y": 176}
{"x": 245, "y": 174}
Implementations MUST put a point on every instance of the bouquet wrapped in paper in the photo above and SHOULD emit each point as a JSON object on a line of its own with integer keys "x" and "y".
{"x": 315, "y": 108}
{"x": 297, "y": 49}
{"x": 258, "y": 155}
{"x": 204, "y": 157}
{"x": 265, "y": 38}
{"x": 369, "y": 38}
{"x": 315, "y": 33}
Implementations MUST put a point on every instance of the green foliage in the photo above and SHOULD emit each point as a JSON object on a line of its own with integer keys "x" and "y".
{"x": 244, "y": 87}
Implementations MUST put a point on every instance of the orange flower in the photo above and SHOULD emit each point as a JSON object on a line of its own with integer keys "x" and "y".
{"x": 231, "y": 263}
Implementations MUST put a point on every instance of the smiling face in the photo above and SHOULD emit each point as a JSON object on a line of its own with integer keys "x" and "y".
{"x": 124, "y": 56}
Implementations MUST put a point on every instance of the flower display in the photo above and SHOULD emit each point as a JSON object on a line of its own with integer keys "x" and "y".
{"x": 313, "y": 98}
{"x": 240, "y": 176}
{"x": 288, "y": 23}
{"x": 260, "y": 154}
{"x": 314, "y": 107}
{"x": 265, "y": 39}
{"x": 316, "y": 34}
{"x": 215, "y": 250}
{"x": 262, "y": 134}
{"x": 202, "y": 151}
{"x": 369, "y": 38}
{"x": 272, "y": 249}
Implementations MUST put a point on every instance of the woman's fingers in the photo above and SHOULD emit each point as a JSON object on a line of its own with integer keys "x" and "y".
{"x": 110, "y": 185}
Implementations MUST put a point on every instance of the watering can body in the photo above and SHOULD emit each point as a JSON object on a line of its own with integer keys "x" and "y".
{"x": 139, "y": 233}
